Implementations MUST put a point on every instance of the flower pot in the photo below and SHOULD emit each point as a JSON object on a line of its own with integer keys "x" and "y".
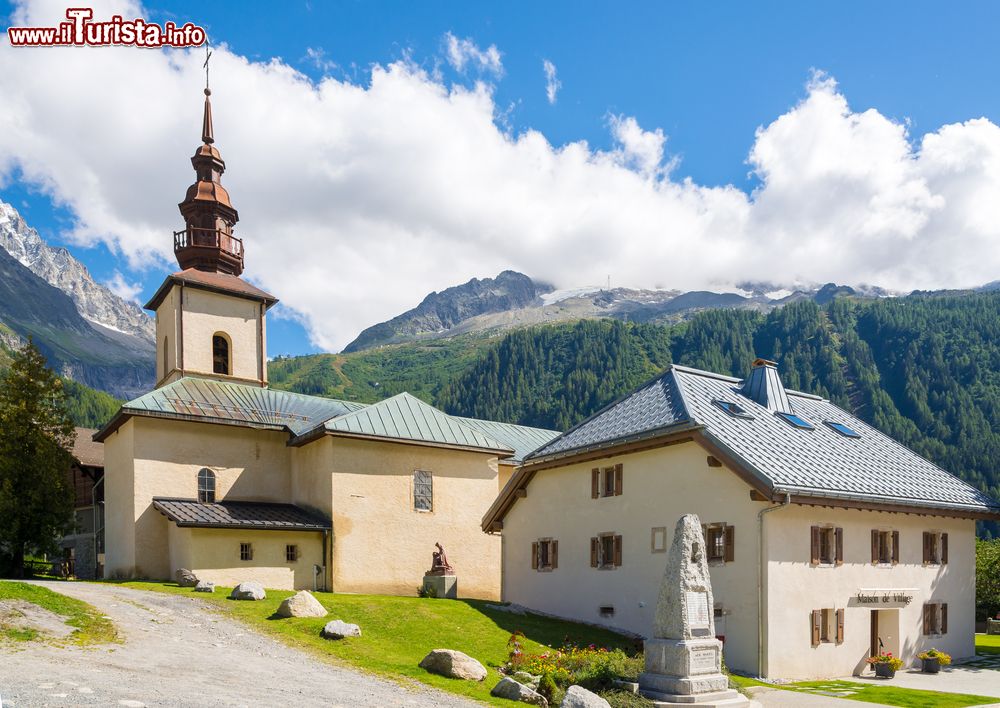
{"x": 931, "y": 666}
{"x": 884, "y": 671}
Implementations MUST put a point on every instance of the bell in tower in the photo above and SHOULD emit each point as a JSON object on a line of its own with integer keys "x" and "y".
{"x": 207, "y": 242}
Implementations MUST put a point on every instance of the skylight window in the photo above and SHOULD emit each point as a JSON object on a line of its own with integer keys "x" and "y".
{"x": 844, "y": 430}
{"x": 795, "y": 420}
{"x": 733, "y": 409}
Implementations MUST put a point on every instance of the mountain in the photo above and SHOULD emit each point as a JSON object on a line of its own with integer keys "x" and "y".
{"x": 87, "y": 333}
{"x": 58, "y": 268}
{"x": 512, "y": 300}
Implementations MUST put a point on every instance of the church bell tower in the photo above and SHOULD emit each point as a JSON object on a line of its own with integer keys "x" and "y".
{"x": 210, "y": 323}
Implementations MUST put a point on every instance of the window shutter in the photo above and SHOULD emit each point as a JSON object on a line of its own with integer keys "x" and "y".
{"x": 944, "y": 618}
{"x": 838, "y": 537}
{"x": 618, "y": 551}
{"x": 927, "y": 547}
{"x": 840, "y": 626}
{"x": 534, "y": 555}
{"x": 730, "y": 544}
{"x": 814, "y": 545}
{"x": 595, "y": 483}
{"x": 594, "y": 548}
{"x": 618, "y": 480}
{"x": 928, "y": 609}
{"x": 554, "y": 554}
{"x": 874, "y": 545}
{"x": 895, "y": 547}
{"x": 944, "y": 548}
{"x": 817, "y": 618}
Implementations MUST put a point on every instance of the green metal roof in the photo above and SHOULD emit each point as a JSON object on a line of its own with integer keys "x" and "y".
{"x": 405, "y": 417}
{"x": 522, "y": 438}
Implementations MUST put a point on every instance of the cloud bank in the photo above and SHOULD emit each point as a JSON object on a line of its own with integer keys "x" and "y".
{"x": 357, "y": 200}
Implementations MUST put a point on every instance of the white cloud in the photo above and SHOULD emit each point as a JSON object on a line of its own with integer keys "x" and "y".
{"x": 120, "y": 286}
{"x": 318, "y": 58}
{"x": 356, "y": 200}
{"x": 552, "y": 84}
{"x": 463, "y": 53}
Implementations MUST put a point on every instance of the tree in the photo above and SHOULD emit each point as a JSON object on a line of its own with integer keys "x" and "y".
{"x": 987, "y": 579}
{"x": 36, "y": 502}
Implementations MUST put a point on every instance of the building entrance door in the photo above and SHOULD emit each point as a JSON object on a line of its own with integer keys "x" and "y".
{"x": 885, "y": 632}
{"x": 874, "y": 650}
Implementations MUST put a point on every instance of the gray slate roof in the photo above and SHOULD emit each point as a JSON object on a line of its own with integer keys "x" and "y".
{"x": 406, "y": 417}
{"x": 262, "y": 516}
{"x": 521, "y": 438}
{"x": 819, "y": 462}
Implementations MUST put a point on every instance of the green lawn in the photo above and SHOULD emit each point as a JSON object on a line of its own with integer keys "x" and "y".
{"x": 883, "y": 694}
{"x": 91, "y": 626}
{"x": 988, "y": 643}
{"x": 397, "y": 632}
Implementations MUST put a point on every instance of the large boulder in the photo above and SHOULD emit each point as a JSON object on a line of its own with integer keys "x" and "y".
{"x": 248, "y": 591}
{"x": 185, "y": 578}
{"x": 338, "y": 629}
{"x": 579, "y": 697}
{"x": 204, "y": 586}
{"x": 513, "y": 691}
{"x": 453, "y": 664}
{"x": 301, "y": 604}
{"x": 529, "y": 680}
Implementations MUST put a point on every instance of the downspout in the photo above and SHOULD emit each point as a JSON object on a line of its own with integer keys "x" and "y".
{"x": 760, "y": 580}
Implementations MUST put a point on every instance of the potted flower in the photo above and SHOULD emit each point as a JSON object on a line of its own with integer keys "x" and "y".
{"x": 886, "y": 665}
{"x": 933, "y": 660}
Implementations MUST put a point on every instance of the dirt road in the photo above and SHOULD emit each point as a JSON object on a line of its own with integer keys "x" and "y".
{"x": 179, "y": 651}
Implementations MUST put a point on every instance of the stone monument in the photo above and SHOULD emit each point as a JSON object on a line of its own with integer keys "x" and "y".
{"x": 440, "y": 580}
{"x": 683, "y": 658}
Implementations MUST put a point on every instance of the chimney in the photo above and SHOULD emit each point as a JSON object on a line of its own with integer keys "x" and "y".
{"x": 763, "y": 385}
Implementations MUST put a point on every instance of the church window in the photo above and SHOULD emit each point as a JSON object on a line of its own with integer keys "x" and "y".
{"x": 423, "y": 491}
{"x": 220, "y": 354}
{"x": 206, "y": 486}
{"x": 246, "y": 551}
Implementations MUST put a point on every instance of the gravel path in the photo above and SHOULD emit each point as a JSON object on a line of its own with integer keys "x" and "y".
{"x": 178, "y": 651}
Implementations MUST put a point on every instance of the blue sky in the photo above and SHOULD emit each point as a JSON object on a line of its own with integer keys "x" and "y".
{"x": 707, "y": 75}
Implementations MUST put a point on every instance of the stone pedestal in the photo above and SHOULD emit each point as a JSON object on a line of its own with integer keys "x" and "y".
{"x": 442, "y": 586}
{"x": 686, "y": 671}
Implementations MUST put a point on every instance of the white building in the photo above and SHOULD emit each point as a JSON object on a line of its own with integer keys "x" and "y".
{"x": 827, "y": 539}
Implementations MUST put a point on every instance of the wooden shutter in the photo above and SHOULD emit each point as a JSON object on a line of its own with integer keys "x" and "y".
{"x": 928, "y": 610}
{"x": 595, "y": 483}
{"x": 814, "y": 545}
{"x": 594, "y": 550}
{"x": 534, "y": 555}
{"x": 618, "y": 480}
{"x": 874, "y": 545}
{"x": 927, "y": 547}
{"x": 618, "y": 551}
{"x": 817, "y": 619}
{"x": 895, "y": 547}
{"x": 840, "y": 626}
{"x": 730, "y": 544}
{"x": 554, "y": 554}
{"x": 944, "y": 548}
{"x": 944, "y": 618}
{"x": 838, "y": 538}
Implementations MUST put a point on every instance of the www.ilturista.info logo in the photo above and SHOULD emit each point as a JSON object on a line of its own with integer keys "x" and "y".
{"x": 80, "y": 31}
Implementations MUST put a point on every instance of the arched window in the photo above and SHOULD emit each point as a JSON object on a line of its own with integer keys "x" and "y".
{"x": 206, "y": 486}
{"x": 220, "y": 354}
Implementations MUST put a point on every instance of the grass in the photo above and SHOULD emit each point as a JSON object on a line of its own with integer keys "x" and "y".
{"x": 988, "y": 643}
{"x": 91, "y": 627}
{"x": 397, "y": 632}
{"x": 882, "y": 694}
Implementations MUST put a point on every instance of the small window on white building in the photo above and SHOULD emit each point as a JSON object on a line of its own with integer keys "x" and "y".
{"x": 935, "y": 618}
{"x": 606, "y": 482}
{"x": 423, "y": 491}
{"x": 826, "y": 545}
{"x": 291, "y": 553}
{"x": 827, "y": 626}
{"x": 606, "y": 551}
{"x": 885, "y": 547}
{"x": 246, "y": 551}
{"x": 545, "y": 554}
{"x": 935, "y": 548}
{"x": 720, "y": 542}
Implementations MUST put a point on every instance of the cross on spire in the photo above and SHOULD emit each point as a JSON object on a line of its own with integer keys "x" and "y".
{"x": 208, "y": 55}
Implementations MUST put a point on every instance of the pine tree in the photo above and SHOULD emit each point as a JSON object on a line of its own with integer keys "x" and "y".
{"x": 36, "y": 502}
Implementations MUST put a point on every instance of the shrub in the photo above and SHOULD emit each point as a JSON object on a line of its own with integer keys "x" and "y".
{"x": 943, "y": 659}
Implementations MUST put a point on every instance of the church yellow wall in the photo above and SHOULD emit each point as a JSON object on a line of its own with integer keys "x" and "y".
{"x": 189, "y": 352}
{"x": 119, "y": 498}
{"x": 382, "y": 545}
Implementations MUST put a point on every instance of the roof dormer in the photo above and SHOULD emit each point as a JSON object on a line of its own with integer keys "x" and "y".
{"x": 764, "y": 386}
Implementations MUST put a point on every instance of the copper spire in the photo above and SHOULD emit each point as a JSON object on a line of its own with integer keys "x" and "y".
{"x": 207, "y": 242}
{"x": 206, "y": 124}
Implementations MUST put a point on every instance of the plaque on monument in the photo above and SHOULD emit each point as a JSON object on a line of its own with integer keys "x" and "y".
{"x": 683, "y": 658}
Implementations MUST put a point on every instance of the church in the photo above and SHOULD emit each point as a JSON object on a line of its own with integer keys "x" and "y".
{"x": 215, "y": 472}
